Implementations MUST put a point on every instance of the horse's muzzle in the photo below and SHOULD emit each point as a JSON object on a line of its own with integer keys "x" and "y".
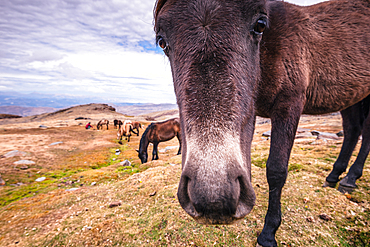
{"x": 216, "y": 201}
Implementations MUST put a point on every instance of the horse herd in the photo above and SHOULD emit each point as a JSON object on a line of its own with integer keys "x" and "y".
{"x": 155, "y": 133}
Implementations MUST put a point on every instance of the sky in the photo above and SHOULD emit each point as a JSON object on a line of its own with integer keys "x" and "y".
{"x": 85, "y": 48}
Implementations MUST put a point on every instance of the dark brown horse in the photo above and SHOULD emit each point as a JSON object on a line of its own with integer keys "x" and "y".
{"x": 233, "y": 60}
{"x": 101, "y": 123}
{"x": 117, "y": 123}
{"x": 156, "y": 133}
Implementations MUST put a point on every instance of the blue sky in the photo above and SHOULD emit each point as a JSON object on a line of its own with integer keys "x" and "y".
{"x": 101, "y": 48}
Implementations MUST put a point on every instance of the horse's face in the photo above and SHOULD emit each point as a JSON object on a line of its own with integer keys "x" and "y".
{"x": 213, "y": 48}
{"x": 143, "y": 156}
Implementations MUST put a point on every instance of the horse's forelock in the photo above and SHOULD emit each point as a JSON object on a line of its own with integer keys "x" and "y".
{"x": 158, "y": 6}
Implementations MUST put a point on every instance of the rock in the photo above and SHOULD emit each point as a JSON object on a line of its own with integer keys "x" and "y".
{"x": 315, "y": 133}
{"x": 118, "y": 152}
{"x": 24, "y": 162}
{"x": 267, "y": 133}
{"x": 325, "y": 135}
{"x": 153, "y": 193}
{"x": 325, "y": 217}
{"x": 40, "y": 179}
{"x": 14, "y": 153}
{"x": 23, "y": 167}
{"x": 340, "y": 133}
{"x": 55, "y": 143}
{"x": 43, "y": 126}
{"x": 82, "y": 118}
{"x": 16, "y": 185}
{"x": 168, "y": 148}
{"x": 310, "y": 219}
{"x": 2, "y": 182}
{"x": 72, "y": 189}
{"x": 93, "y": 183}
{"x": 125, "y": 163}
{"x": 114, "y": 204}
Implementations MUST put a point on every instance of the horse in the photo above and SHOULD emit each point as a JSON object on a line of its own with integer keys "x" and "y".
{"x": 136, "y": 125}
{"x": 156, "y": 133}
{"x": 234, "y": 60}
{"x": 125, "y": 130}
{"x": 117, "y": 123}
{"x": 101, "y": 123}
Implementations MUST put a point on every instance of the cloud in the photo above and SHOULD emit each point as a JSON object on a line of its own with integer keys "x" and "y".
{"x": 102, "y": 48}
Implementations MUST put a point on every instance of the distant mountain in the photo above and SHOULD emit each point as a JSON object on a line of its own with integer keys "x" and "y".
{"x": 43, "y": 100}
{"x": 35, "y": 104}
{"x": 25, "y": 111}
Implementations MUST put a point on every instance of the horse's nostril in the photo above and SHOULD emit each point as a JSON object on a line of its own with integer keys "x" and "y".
{"x": 184, "y": 199}
{"x": 215, "y": 202}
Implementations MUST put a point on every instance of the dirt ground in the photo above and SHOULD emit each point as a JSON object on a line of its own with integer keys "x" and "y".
{"x": 73, "y": 157}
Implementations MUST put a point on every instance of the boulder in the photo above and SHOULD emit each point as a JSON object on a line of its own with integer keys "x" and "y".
{"x": 24, "y": 162}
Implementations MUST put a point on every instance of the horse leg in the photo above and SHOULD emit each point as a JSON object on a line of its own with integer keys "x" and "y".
{"x": 352, "y": 126}
{"x": 284, "y": 125}
{"x": 155, "y": 151}
{"x": 179, "y": 138}
{"x": 136, "y": 133}
{"x": 348, "y": 183}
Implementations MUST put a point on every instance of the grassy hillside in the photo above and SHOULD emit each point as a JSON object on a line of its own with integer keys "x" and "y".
{"x": 116, "y": 205}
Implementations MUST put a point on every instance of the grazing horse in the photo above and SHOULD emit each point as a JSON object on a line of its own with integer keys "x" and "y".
{"x": 125, "y": 130}
{"x": 156, "y": 133}
{"x": 117, "y": 123}
{"x": 101, "y": 123}
{"x": 136, "y": 125}
{"x": 233, "y": 60}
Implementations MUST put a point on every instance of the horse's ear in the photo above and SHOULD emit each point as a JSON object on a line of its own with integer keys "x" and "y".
{"x": 137, "y": 150}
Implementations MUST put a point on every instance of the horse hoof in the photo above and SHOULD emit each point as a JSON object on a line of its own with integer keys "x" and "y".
{"x": 329, "y": 184}
{"x": 345, "y": 189}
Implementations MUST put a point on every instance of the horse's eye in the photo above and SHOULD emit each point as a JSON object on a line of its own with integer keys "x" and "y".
{"x": 162, "y": 43}
{"x": 260, "y": 26}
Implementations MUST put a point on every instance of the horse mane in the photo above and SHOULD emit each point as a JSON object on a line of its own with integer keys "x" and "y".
{"x": 143, "y": 140}
{"x": 147, "y": 129}
{"x": 157, "y": 7}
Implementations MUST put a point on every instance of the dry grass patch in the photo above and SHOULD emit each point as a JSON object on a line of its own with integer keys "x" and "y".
{"x": 149, "y": 213}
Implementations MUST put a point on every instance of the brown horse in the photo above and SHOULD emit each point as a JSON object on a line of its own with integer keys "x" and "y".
{"x": 136, "y": 125}
{"x": 101, "y": 123}
{"x": 156, "y": 133}
{"x": 117, "y": 123}
{"x": 233, "y": 60}
{"x": 125, "y": 130}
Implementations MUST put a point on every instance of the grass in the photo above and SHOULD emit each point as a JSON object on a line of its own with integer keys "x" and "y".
{"x": 150, "y": 215}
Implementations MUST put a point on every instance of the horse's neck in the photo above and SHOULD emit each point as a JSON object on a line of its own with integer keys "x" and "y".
{"x": 144, "y": 141}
